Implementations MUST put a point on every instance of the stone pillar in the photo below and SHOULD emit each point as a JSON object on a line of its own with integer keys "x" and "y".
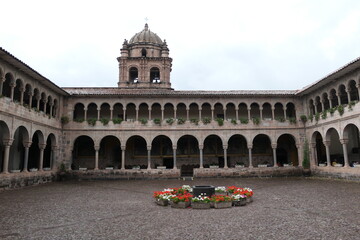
{"x": 98, "y": 114}
{"x": 26, "y": 155}
{"x": 123, "y": 148}
{"x": 249, "y": 115}
{"x": 30, "y": 101}
{"x": 45, "y": 103}
{"x": 250, "y": 155}
{"x": 330, "y": 102}
{"x": 7, "y": 144}
{"x": 339, "y": 99}
{"x": 225, "y": 156}
{"x": 261, "y": 113}
{"x": 322, "y": 105}
{"x": 149, "y": 157}
{"x": 22, "y": 91}
{"x": 344, "y": 143}
{"x": 200, "y": 109}
{"x": 313, "y": 154}
{"x": 2, "y": 80}
{"x": 38, "y": 103}
{"x": 284, "y": 109}
{"x": 224, "y": 109}
{"x": 327, "y": 148}
{"x": 201, "y": 147}
{"x": 111, "y": 114}
{"x": 51, "y": 110}
{"x": 12, "y": 85}
{"x": 124, "y": 114}
{"x": 174, "y": 156}
{"x": 175, "y": 109}
{"x": 273, "y": 113}
{"x": 137, "y": 114}
{"x": 300, "y": 151}
{"x": 212, "y": 114}
{"x": 149, "y": 109}
{"x": 348, "y": 95}
{"x": 357, "y": 86}
{"x": 274, "y": 146}
{"x": 41, "y": 160}
{"x": 237, "y": 114}
{"x": 97, "y": 148}
{"x": 53, "y": 157}
{"x": 187, "y": 114}
{"x": 162, "y": 114}
{"x": 85, "y": 114}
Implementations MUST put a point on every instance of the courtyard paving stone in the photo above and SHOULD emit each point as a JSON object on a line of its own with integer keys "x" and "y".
{"x": 283, "y": 208}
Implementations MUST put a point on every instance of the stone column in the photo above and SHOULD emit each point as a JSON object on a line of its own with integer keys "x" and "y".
{"x": 7, "y": 144}
{"x": 237, "y": 114}
{"x": 212, "y": 114}
{"x": 284, "y": 109}
{"x": 175, "y": 109}
{"x": 200, "y": 109}
{"x": 249, "y": 115}
{"x": 187, "y": 114}
{"x": 53, "y": 157}
{"x": 111, "y": 114}
{"x": 162, "y": 114}
{"x": 273, "y": 113}
{"x": 51, "y": 110}
{"x": 322, "y": 105}
{"x": 261, "y": 113}
{"x": 250, "y": 155}
{"x": 123, "y": 149}
{"x": 137, "y": 114}
{"x": 348, "y": 95}
{"x": 149, "y": 109}
{"x": 98, "y": 114}
{"x": 2, "y": 80}
{"x": 149, "y": 157}
{"x": 313, "y": 154}
{"x": 327, "y": 148}
{"x": 224, "y": 109}
{"x": 344, "y": 143}
{"x": 124, "y": 114}
{"x": 201, "y": 147}
{"x": 97, "y": 148}
{"x": 85, "y": 114}
{"x": 339, "y": 99}
{"x": 274, "y": 146}
{"x": 12, "y": 85}
{"x": 225, "y": 156}
{"x": 174, "y": 156}
{"x": 30, "y": 101}
{"x": 41, "y": 160}
{"x": 300, "y": 150}
{"x": 26, "y": 155}
{"x": 357, "y": 86}
{"x": 330, "y": 102}
{"x": 22, "y": 91}
{"x": 38, "y": 103}
{"x": 45, "y": 103}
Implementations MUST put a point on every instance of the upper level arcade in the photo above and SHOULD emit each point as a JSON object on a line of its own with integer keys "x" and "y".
{"x": 144, "y": 62}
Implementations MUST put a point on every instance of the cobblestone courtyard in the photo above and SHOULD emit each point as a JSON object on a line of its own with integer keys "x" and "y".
{"x": 283, "y": 208}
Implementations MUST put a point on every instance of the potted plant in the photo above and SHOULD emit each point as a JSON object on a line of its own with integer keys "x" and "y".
{"x": 220, "y": 121}
{"x": 222, "y": 201}
{"x": 322, "y": 164}
{"x": 170, "y": 121}
{"x": 162, "y": 198}
{"x": 136, "y": 167}
{"x": 33, "y": 169}
{"x": 220, "y": 190}
{"x": 194, "y": 121}
{"x": 117, "y": 120}
{"x": 238, "y": 200}
{"x": 214, "y": 165}
{"x": 157, "y": 121}
{"x": 200, "y": 202}
{"x": 181, "y": 200}
{"x": 239, "y": 165}
{"x": 161, "y": 167}
{"x": 180, "y": 121}
{"x": 206, "y": 120}
{"x": 109, "y": 167}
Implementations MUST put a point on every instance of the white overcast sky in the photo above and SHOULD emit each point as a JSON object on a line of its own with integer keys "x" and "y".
{"x": 215, "y": 45}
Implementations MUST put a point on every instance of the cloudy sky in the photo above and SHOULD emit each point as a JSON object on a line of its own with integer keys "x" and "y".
{"x": 215, "y": 45}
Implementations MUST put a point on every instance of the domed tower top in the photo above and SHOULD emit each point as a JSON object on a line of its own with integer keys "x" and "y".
{"x": 146, "y": 36}
{"x": 144, "y": 62}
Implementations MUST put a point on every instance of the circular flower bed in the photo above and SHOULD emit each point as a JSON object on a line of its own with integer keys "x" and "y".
{"x": 224, "y": 197}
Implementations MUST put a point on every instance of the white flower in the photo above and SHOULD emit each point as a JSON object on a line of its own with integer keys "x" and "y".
{"x": 220, "y": 189}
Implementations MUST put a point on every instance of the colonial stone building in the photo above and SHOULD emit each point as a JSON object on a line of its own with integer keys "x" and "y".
{"x": 144, "y": 128}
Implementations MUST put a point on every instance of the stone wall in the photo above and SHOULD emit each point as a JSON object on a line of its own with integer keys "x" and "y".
{"x": 17, "y": 180}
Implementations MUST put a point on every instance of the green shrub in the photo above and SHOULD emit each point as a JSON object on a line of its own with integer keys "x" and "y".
{"x": 157, "y": 121}
{"x": 280, "y": 119}
{"x": 220, "y": 121}
{"x": 206, "y": 120}
{"x": 311, "y": 117}
{"x": 170, "y": 121}
{"x": 317, "y": 117}
{"x": 117, "y": 120}
{"x": 194, "y": 121}
{"x": 306, "y": 159}
{"x": 104, "y": 121}
{"x": 256, "y": 120}
{"x": 303, "y": 118}
{"x": 64, "y": 119}
{"x": 332, "y": 110}
{"x": 91, "y": 121}
{"x": 324, "y": 114}
{"x": 233, "y": 121}
{"x": 79, "y": 120}
{"x": 181, "y": 121}
{"x": 340, "y": 109}
{"x": 292, "y": 120}
{"x": 143, "y": 121}
{"x": 244, "y": 120}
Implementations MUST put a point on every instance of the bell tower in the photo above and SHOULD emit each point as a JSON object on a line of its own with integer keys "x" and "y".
{"x": 144, "y": 62}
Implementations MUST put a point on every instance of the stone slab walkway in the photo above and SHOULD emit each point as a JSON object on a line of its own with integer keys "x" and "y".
{"x": 283, "y": 208}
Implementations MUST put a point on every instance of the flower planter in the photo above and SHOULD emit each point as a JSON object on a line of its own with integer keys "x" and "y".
{"x": 214, "y": 167}
{"x": 161, "y": 167}
{"x": 249, "y": 199}
{"x": 338, "y": 165}
{"x": 46, "y": 169}
{"x": 357, "y": 165}
{"x": 180, "y": 204}
{"x": 33, "y": 169}
{"x": 239, "y": 166}
{"x": 241, "y": 202}
{"x": 219, "y": 205}
{"x": 287, "y": 165}
{"x": 262, "y": 165}
{"x": 15, "y": 171}
{"x": 200, "y": 205}
{"x": 82, "y": 169}
{"x": 109, "y": 168}
{"x": 322, "y": 164}
{"x": 136, "y": 167}
{"x": 162, "y": 202}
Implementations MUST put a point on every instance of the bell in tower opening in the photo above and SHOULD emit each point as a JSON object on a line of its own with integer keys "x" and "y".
{"x": 144, "y": 62}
